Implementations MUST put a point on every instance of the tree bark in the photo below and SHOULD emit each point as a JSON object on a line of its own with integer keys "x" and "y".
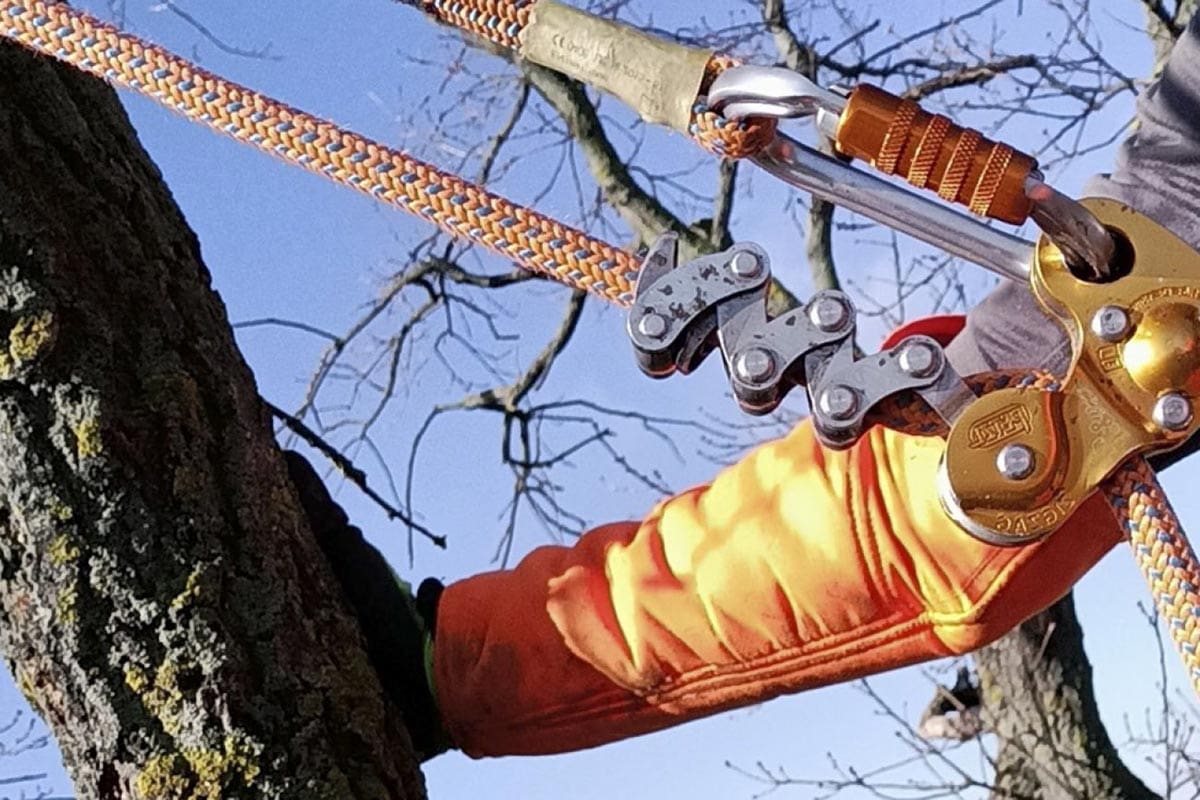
{"x": 1038, "y": 698}
{"x": 166, "y": 606}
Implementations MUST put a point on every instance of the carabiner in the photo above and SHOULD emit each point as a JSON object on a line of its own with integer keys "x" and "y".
{"x": 778, "y": 92}
{"x": 896, "y": 207}
{"x": 1086, "y": 244}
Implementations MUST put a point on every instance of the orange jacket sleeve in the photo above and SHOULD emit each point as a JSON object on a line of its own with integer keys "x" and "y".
{"x": 797, "y": 567}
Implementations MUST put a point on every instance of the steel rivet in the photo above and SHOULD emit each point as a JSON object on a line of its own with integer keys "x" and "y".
{"x": 920, "y": 359}
{"x": 1110, "y": 323}
{"x": 754, "y": 365}
{"x": 1173, "y": 411}
{"x": 745, "y": 264}
{"x": 839, "y": 402}
{"x": 1015, "y": 461}
{"x": 652, "y": 325}
{"x": 829, "y": 313}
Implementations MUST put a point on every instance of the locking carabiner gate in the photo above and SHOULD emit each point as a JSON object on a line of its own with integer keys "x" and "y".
{"x": 897, "y": 137}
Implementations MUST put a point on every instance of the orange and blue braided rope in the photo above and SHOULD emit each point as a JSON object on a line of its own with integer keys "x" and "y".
{"x": 532, "y": 240}
{"x": 1164, "y": 555}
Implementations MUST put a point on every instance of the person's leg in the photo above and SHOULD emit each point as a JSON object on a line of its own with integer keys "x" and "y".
{"x": 797, "y": 567}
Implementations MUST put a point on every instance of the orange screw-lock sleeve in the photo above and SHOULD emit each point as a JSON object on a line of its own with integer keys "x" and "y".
{"x": 898, "y": 137}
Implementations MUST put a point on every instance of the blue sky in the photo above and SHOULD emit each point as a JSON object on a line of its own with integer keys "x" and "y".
{"x": 283, "y": 243}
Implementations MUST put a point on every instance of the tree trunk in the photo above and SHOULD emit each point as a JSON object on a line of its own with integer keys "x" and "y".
{"x": 166, "y": 606}
{"x": 1165, "y": 25}
{"x": 1038, "y": 698}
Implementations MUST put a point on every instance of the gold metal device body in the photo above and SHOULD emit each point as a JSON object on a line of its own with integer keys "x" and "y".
{"x": 1128, "y": 391}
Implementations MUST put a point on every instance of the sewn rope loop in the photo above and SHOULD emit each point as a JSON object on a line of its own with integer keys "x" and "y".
{"x": 501, "y": 22}
{"x": 532, "y": 240}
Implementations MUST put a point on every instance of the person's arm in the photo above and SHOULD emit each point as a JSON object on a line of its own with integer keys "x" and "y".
{"x": 797, "y": 567}
{"x": 1157, "y": 169}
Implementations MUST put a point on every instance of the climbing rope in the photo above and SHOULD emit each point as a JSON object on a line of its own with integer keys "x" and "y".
{"x": 1164, "y": 555}
{"x": 497, "y": 21}
{"x": 459, "y": 207}
{"x": 534, "y": 241}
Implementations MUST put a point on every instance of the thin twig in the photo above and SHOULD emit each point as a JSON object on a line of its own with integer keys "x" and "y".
{"x": 353, "y": 474}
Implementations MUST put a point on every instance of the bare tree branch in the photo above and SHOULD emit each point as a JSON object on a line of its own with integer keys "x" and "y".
{"x": 212, "y": 38}
{"x": 353, "y": 474}
{"x": 971, "y": 75}
{"x": 719, "y": 237}
{"x": 793, "y": 54}
{"x": 646, "y": 216}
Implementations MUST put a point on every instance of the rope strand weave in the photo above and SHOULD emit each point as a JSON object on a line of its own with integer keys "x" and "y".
{"x": 1164, "y": 555}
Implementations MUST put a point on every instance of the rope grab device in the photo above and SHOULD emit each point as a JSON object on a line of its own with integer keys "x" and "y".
{"x": 1023, "y": 450}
